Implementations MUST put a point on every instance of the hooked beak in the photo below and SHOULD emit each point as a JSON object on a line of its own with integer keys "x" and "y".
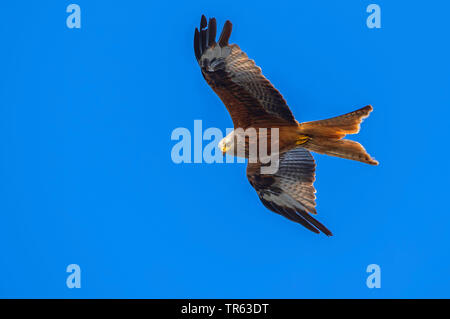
{"x": 224, "y": 150}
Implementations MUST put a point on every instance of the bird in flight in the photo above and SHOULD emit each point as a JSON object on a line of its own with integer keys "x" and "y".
{"x": 253, "y": 102}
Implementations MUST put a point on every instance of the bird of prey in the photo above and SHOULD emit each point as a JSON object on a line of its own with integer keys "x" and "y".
{"x": 253, "y": 102}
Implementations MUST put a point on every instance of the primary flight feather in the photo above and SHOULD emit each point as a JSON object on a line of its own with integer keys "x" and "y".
{"x": 253, "y": 102}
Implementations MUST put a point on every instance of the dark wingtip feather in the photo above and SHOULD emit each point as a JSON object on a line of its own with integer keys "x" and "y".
{"x": 316, "y": 223}
{"x": 212, "y": 27}
{"x": 197, "y": 44}
{"x": 203, "y": 22}
{"x": 307, "y": 225}
{"x": 290, "y": 214}
{"x": 225, "y": 35}
{"x": 202, "y": 35}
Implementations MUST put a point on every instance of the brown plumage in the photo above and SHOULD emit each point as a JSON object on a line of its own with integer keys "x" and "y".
{"x": 253, "y": 102}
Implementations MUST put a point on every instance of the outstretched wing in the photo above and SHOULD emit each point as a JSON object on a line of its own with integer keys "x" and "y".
{"x": 290, "y": 191}
{"x": 249, "y": 97}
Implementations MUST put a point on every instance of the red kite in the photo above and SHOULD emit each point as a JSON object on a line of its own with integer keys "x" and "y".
{"x": 253, "y": 102}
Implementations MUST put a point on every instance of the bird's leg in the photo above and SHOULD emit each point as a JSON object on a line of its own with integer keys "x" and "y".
{"x": 301, "y": 139}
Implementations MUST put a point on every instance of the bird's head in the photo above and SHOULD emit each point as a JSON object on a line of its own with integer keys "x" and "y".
{"x": 226, "y": 145}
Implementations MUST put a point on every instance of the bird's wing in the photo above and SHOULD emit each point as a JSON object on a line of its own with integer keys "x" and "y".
{"x": 290, "y": 191}
{"x": 249, "y": 97}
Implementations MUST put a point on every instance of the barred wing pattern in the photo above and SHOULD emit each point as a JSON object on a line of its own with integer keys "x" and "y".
{"x": 249, "y": 97}
{"x": 290, "y": 191}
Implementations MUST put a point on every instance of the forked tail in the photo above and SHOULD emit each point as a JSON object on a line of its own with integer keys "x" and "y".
{"x": 326, "y": 136}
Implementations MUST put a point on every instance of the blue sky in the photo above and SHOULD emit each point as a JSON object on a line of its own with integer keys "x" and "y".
{"x": 86, "y": 175}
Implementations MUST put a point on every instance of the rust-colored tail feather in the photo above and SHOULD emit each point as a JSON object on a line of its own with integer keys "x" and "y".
{"x": 337, "y": 127}
{"x": 325, "y": 136}
{"x": 341, "y": 148}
